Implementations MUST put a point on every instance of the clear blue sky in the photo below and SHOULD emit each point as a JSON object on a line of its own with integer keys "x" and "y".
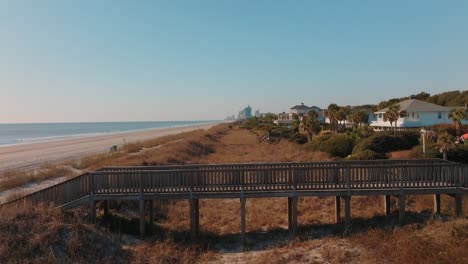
{"x": 104, "y": 60}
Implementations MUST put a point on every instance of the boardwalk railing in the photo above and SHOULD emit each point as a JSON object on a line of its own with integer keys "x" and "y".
{"x": 264, "y": 137}
{"x": 261, "y": 178}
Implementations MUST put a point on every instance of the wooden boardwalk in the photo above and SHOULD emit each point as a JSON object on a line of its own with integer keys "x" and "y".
{"x": 341, "y": 179}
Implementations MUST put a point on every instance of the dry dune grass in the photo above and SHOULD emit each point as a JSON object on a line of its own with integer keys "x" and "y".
{"x": 41, "y": 234}
{"x": 438, "y": 242}
{"x": 12, "y": 179}
{"x": 240, "y": 146}
{"x": 318, "y": 241}
{"x": 173, "y": 149}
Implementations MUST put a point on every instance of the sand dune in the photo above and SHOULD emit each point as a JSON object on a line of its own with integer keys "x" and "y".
{"x": 30, "y": 156}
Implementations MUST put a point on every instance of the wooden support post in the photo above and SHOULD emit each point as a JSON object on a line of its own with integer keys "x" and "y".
{"x": 337, "y": 209}
{"x": 347, "y": 200}
{"x": 292, "y": 216}
{"x": 437, "y": 204}
{"x": 151, "y": 215}
{"x": 92, "y": 204}
{"x": 243, "y": 239}
{"x": 387, "y": 205}
{"x": 401, "y": 208}
{"x": 106, "y": 209}
{"x": 92, "y": 209}
{"x": 194, "y": 219}
{"x": 141, "y": 203}
{"x": 458, "y": 204}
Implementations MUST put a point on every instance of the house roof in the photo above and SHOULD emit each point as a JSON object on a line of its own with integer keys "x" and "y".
{"x": 300, "y": 107}
{"x": 316, "y": 107}
{"x": 415, "y": 105}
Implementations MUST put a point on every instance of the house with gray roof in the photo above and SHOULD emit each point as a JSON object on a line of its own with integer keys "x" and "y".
{"x": 300, "y": 110}
{"x": 415, "y": 113}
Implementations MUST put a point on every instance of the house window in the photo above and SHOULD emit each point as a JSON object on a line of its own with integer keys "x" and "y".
{"x": 439, "y": 115}
{"x": 380, "y": 115}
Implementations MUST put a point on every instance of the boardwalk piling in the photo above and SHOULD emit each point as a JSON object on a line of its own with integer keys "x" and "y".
{"x": 437, "y": 204}
{"x": 458, "y": 204}
{"x": 337, "y": 209}
{"x": 347, "y": 200}
{"x": 92, "y": 209}
{"x": 292, "y": 216}
{"x": 243, "y": 239}
{"x": 151, "y": 214}
{"x": 141, "y": 203}
{"x": 106, "y": 209}
{"x": 194, "y": 219}
{"x": 387, "y": 205}
{"x": 401, "y": 208}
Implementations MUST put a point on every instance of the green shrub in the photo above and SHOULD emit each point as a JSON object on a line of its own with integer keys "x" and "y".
{"x": 362, "y": 132}
{"x": 299, "y": 138}
{"x": 458, "y": 154}
{"x": 339, "y": 145}
{"x": 384, "y": 142}
{"x": 314, "y": 145}
{"x": 281, "y": 131}
{"x": 432, "y": 152}
{"x": 367, "y": 155}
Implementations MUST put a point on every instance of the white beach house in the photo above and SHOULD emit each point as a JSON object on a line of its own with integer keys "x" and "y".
{"x": 301, "y": 110}
{"x": 415, "y": 113}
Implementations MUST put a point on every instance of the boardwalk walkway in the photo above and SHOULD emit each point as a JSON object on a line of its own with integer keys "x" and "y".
{"x": 341, "y": 179}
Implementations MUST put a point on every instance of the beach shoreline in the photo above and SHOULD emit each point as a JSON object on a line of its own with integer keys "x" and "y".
{"x": 33, "y": 155}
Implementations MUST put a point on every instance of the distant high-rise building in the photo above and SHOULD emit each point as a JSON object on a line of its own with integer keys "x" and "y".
{"x": 248, "y": 112}
{"x": 257, "y": 113}
{"x": 245, "y": 113}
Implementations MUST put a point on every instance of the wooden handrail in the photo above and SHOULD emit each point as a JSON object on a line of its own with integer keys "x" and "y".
{"x": 257, "y": 177}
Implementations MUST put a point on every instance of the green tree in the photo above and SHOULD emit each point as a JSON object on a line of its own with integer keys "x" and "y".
{"x": 342, "y": 116}
{"x": 445, "y": 142}
{"x": 457, "y": 115}
{"x": 295, "y": 123}
{"x": 358, "y": 118}
{"x": 392, "y": 115}
{"x": 311, "y": 124}
{"x": 332, "y": 111}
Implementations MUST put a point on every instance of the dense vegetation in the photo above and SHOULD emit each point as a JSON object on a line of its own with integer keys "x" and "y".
{"x": 384, "y": 142}
{"x": 282, "y": 131}
{"x": 361, "y": 142}
{"x": 451, "y": 98}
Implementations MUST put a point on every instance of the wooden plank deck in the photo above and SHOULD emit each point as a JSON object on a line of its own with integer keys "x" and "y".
{"x": 342, "y": 179}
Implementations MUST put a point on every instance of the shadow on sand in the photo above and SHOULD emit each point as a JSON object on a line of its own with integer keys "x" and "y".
{"x": 256, "y": 240}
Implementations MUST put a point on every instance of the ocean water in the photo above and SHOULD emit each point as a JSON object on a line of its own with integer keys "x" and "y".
{"x": 29, "y": 133}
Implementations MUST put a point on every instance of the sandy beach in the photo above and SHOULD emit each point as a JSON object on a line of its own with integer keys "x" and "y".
{"x": 30, "y": 156}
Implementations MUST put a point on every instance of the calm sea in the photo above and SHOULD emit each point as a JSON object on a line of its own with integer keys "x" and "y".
{"x": 28, "y": 133}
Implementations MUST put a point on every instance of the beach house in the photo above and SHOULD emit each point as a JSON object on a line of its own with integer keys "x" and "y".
{"x": 414, "y": 113}
{"x": 300, "y": 110}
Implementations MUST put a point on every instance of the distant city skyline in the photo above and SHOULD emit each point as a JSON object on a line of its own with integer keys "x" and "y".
{"x": 95, "y": 61}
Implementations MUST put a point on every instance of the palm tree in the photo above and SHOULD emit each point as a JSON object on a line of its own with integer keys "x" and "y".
{"x": 311, "y": 124}
{"x": 445, "y": 143}
{"x": 332, "y": 111}
{"x": 358, "y": 118}
{"x": 392, "y": 115}
{"x": 457, "y": 115}
{"x": 295, "y": 123}
{"x": 342, "y": 115}
{"x": 362, "y": 117}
